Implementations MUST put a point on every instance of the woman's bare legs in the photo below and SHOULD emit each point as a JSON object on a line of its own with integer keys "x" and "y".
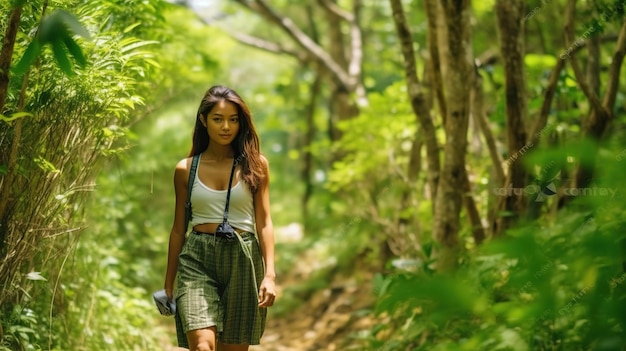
{"x": 205, "y": 340}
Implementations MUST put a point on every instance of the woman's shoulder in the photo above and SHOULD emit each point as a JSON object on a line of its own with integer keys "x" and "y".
{"x": 184, "y": 164}
{"x": 183, "y": 167}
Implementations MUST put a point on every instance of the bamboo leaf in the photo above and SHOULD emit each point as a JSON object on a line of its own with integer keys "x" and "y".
{"x": 131, "y": 27}
{"x": 75, "y": 51}
{"x": 15, "y": 116}
{"x": 152, "y": 62}
{"x": 72, "y": 23}
{"x": 50, "y": 29}
{"x": 35, "y": 276}
{"x": 61, "y": 56}
{"x": 30, "y": 55}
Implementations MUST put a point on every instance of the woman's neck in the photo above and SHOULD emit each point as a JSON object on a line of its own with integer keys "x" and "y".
{"x": 219, "y": 152}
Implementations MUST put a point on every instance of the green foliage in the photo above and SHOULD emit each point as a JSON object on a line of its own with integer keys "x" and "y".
{"x": 548, "y": 285}
{"x": 373, "y": 173}
{"x": 22, "y": 330}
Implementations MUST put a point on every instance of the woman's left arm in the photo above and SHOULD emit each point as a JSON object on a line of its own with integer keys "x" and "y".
{"x": 265, "y": 230}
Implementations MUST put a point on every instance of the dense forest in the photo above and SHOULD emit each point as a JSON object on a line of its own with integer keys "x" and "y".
{"x": 445, "y": 174}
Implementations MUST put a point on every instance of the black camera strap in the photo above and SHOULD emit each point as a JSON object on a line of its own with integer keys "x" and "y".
{"x": 192, "y": 176}
{"x": 230, "y": 183}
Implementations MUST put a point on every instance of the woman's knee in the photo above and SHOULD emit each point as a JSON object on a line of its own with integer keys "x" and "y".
{"x": 205, "y": 346}
{"x": 202, "y": 339}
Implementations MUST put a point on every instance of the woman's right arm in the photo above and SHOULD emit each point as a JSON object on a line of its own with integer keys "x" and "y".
{"x": 177, "y": 233}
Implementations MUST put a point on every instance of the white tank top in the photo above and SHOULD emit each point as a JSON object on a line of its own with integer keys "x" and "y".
{"x": 207, "y": 205}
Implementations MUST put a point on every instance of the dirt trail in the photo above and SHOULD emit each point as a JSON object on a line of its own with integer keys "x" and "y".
{"x": 324, "y": 322}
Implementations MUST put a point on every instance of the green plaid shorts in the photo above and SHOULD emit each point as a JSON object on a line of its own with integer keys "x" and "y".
{"x": 216, "y": 287}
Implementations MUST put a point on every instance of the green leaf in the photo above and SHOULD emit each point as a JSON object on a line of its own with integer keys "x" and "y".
{"x": 30, "y": 55}
{"x": 15, "y": 116}
{"x": 75, "y": 51}
{"x": 131, "y": 27}
{"x": 61, "y": 56}
{"x": 51, "y": 28}
{"x": 72, "y": 23}
{"x": 45, "y": 165}
{"x": 35, "y": 276}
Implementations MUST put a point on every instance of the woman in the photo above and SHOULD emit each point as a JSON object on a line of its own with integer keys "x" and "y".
{"x": 224, "y": 286}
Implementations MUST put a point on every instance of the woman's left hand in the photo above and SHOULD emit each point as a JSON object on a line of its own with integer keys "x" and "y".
{"x": 267, "y": 292}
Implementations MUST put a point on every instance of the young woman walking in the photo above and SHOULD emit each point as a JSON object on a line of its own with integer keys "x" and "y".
{"x": 225, "y": 282}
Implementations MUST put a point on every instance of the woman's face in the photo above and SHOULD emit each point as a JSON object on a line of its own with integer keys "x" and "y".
{"x": 222, "y": 122}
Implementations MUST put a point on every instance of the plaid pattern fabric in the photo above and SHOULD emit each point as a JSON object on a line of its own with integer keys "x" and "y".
{"x": 216, "y": 287}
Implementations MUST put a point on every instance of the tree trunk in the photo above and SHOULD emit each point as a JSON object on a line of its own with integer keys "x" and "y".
{"x": 341, "y": 106}
{"x": 480, "y": 118}
{"x": 510, "y": 14}
{"x": 6, "y": 54}
{"x": 435, "y": 61}
{"x": 417, "y": 97}
{"x": 307, "y": 156}
{"x": 476, "y": 226}
{"x": 458, "y": 75}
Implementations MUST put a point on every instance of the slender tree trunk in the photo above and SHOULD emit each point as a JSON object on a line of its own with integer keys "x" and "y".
{"x": 309, "y": 134}
{"x": 458, "y": 75}
{"x": 340, "y": 105}
{"x": 510, "y": 14}
{"x": 478, "y": 232}
{"x": 478, "y": 114}
{"x": 435, "y": 61}
{"x": 307, "y": 156}
{"x": 480, "y": 118}
{"x": 593, "y": 64}
{"x": 417, "y": 97}
{"x": 6, "y": 54}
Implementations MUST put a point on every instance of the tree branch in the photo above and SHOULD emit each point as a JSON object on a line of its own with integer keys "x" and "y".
{"x": 614, "y": 70}
{"x": 267, "y": 45}
{"x": 478, "y": 112}
{"x": 287, "y": 25}
{"x": 337, "y": 10}
{"x": 548, "y": 96}
{"x": 594, "y": 100}
{"x": 416, "y": 96}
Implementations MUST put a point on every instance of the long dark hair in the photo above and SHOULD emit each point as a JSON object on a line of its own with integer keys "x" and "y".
{"x": 246, "y": 143}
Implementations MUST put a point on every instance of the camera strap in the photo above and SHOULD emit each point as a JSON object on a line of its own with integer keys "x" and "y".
{"x": 192, "y": 176}
{"x": 230, "y": 183}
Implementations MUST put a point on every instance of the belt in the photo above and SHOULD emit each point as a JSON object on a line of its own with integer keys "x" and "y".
{"x": 218, "y": 235}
